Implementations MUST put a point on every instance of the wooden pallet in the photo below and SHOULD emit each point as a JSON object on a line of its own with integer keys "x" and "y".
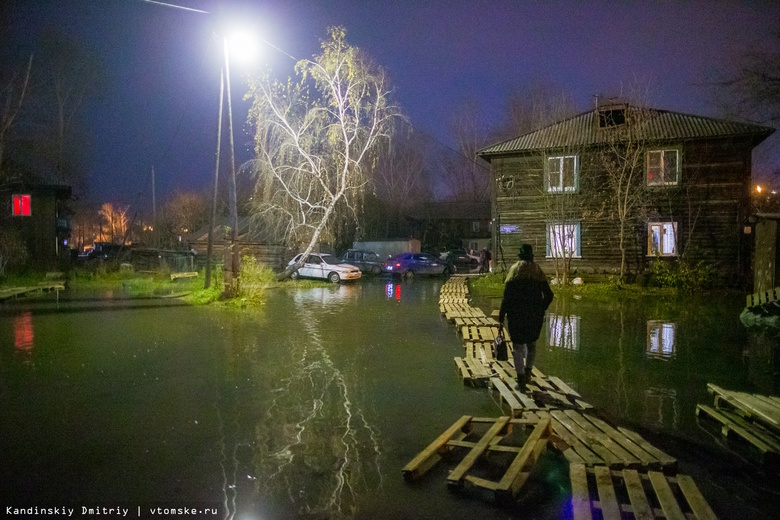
{"x": 472, "y": 371}
{"x": 19, "y": 292}
{"x": 751, "y": 418}
{"x": 551, "y": 391}
{"x": 592, "y": 441}
{"x": 614, "y": 495}
{"x": 762, "y": 298}
{"x": 499, "y": 448}
{"x": 761, "y": 409}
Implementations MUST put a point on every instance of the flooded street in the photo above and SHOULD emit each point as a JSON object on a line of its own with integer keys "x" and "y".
{"x": 310, "y": 405}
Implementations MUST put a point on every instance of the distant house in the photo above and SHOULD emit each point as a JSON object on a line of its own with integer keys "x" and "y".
{"x": 442, "y": 225}
{"x": 252, "y": 242}
{"x": 36, "y": 213}
{"x": 693, "y": 174}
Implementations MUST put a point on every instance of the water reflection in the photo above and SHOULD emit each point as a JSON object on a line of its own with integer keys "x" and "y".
{"x": 660, "y": 407}
{"x": 661, "y": 342}
{"x": 24, "y": 336}
{"x": 316, "y": 447}
{"x": 563, "y": 331}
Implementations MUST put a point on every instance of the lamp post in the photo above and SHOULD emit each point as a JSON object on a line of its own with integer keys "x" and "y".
{"x": 232, "y": 250}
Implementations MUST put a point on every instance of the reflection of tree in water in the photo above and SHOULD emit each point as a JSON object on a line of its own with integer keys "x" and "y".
{"x": 316, "y": 450}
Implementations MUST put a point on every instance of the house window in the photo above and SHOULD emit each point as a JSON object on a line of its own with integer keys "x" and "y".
{"x": 563, "y": 240}
{"x": 662, "y": 167}
{"x": 562, "y": 173}
{"x": 662, "y": 238}
{"x": 661, "y": 339}
{"x": 563, "y": 331}
{"x": 21, "y": 206}
{"x": 475, "y": 226}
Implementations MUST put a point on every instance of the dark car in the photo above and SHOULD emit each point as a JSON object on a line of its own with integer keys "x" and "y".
{"x": 366, "y": 261}
{"x": 411, "y": 264}
{"x": 460, "y": 257}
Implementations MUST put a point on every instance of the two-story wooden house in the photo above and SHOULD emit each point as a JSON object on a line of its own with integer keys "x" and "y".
{"x": 623, "y": 185}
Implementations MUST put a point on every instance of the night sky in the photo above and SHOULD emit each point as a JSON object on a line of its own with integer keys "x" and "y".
{"x": 159, "y": 106}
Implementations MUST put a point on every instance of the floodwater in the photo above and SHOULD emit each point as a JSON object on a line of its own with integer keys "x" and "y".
{"x": 309, "y": 406}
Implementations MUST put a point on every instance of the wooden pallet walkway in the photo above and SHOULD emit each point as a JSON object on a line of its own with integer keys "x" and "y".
{"x": 499, "y": 438}
{"x": 751, "y": 418}
{"x": 19, "y": 292}
{"x": 592, "y": 441}
{"x": 599, "y": 492}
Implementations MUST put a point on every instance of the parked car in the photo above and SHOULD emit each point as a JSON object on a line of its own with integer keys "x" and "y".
{"x": 325, "y": 266}
{"x": 366, "y": 261}
{"x": 460, "y": 257}
{"x": 410, "y": 264}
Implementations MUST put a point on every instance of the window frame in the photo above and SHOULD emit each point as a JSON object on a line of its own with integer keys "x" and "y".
{"x": 663, "y": 225}
{"x": 577, "y": 239}
{"x": 561, "y": 176}
{"x": 663, "y": 151}
{"x": 21, "y": 205}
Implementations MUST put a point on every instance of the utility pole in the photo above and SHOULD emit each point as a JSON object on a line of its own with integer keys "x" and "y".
{"x": 232, "y": 284}
{"x": 154, "y": 212}
{"x": 213, "y": 217}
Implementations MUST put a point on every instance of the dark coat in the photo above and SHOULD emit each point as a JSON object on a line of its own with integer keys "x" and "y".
{"x": 526, "y": 298}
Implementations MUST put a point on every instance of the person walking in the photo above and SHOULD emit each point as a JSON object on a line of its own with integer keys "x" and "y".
{"x": 526, "y": 298}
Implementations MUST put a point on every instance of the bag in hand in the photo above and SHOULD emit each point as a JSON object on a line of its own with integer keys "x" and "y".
{"x": 499, "y": 348}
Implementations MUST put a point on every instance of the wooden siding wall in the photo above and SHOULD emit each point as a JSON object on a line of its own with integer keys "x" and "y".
{"x": 709, "y": 204}
{"x": 270, "y": 255}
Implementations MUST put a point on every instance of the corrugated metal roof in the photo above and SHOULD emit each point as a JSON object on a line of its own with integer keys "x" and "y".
{"x": 648, "y": 124}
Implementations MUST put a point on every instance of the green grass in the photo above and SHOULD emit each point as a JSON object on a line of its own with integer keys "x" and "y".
{"x": 493, "y": 285}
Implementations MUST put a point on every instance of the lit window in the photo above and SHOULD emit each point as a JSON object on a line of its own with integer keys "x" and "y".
{"x": 562, "y": 173}
{"x": 563, "y": 331}
{"x": 662, "y": 167}
{"x": 660, "y": 339}
{"x": 21, "y": 206}
{"x": 662, "y": 238}
{"x": 563, "y": 240}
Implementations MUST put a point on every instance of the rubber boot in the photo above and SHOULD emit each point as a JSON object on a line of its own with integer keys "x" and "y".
{"x": 521, "y": 382}
{"x": 528, "y": 373}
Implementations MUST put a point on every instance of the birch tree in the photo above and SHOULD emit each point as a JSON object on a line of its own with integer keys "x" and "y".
{"x": 316, "y": 140}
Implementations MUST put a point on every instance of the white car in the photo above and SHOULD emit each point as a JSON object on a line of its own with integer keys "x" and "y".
{"x": 325, "y": 266}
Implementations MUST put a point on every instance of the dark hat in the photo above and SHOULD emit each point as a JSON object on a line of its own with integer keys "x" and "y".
{"x": 526, "y": 252}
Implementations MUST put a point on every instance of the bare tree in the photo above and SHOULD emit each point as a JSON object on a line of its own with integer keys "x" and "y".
{"x": 70, "y": 75}
{"x": 400, "y": 179}
{"x": 466, "y": 176}
{"x": 14, "y": 94}
{"x": 754, "y": 91}
{"x": 184, "y": 212}
{"x": 533, "y": 107}
{"x": 623, "y": 162}
{"x": 317, "y": 138}
{"x": 114, "y": 222}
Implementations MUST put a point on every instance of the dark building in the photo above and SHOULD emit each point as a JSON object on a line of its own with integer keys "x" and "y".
{"x": 688, "y": 176}
{"x": 36, "y": 214}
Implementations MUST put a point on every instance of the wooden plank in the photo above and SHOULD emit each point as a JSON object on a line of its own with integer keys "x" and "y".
{"x": 462, "y": 369}
{"x": 517, "y": 473}
{"x": 699, "y": 506}
{"x": 564, "y": 387}
{"x": 644, "y": 458}
{"x": 428, "y": 458}
{"x": 667, "y": 461}
{"x": 507, "y": 396}
{"x": 665, "y": 496}
{"x": 622, "y": 454}
{"x": 610, "y": 508}
{"x": 636, "y": 495}
{"x": 580, "y": 496}
{"x": 456, "y": 476}
{"x": 580, "y": 449}
{"x": 607, "y": 456}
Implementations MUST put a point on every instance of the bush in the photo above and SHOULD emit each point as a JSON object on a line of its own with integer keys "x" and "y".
{"x": 255, "y": 279}
{"x": 684, "y": 274}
